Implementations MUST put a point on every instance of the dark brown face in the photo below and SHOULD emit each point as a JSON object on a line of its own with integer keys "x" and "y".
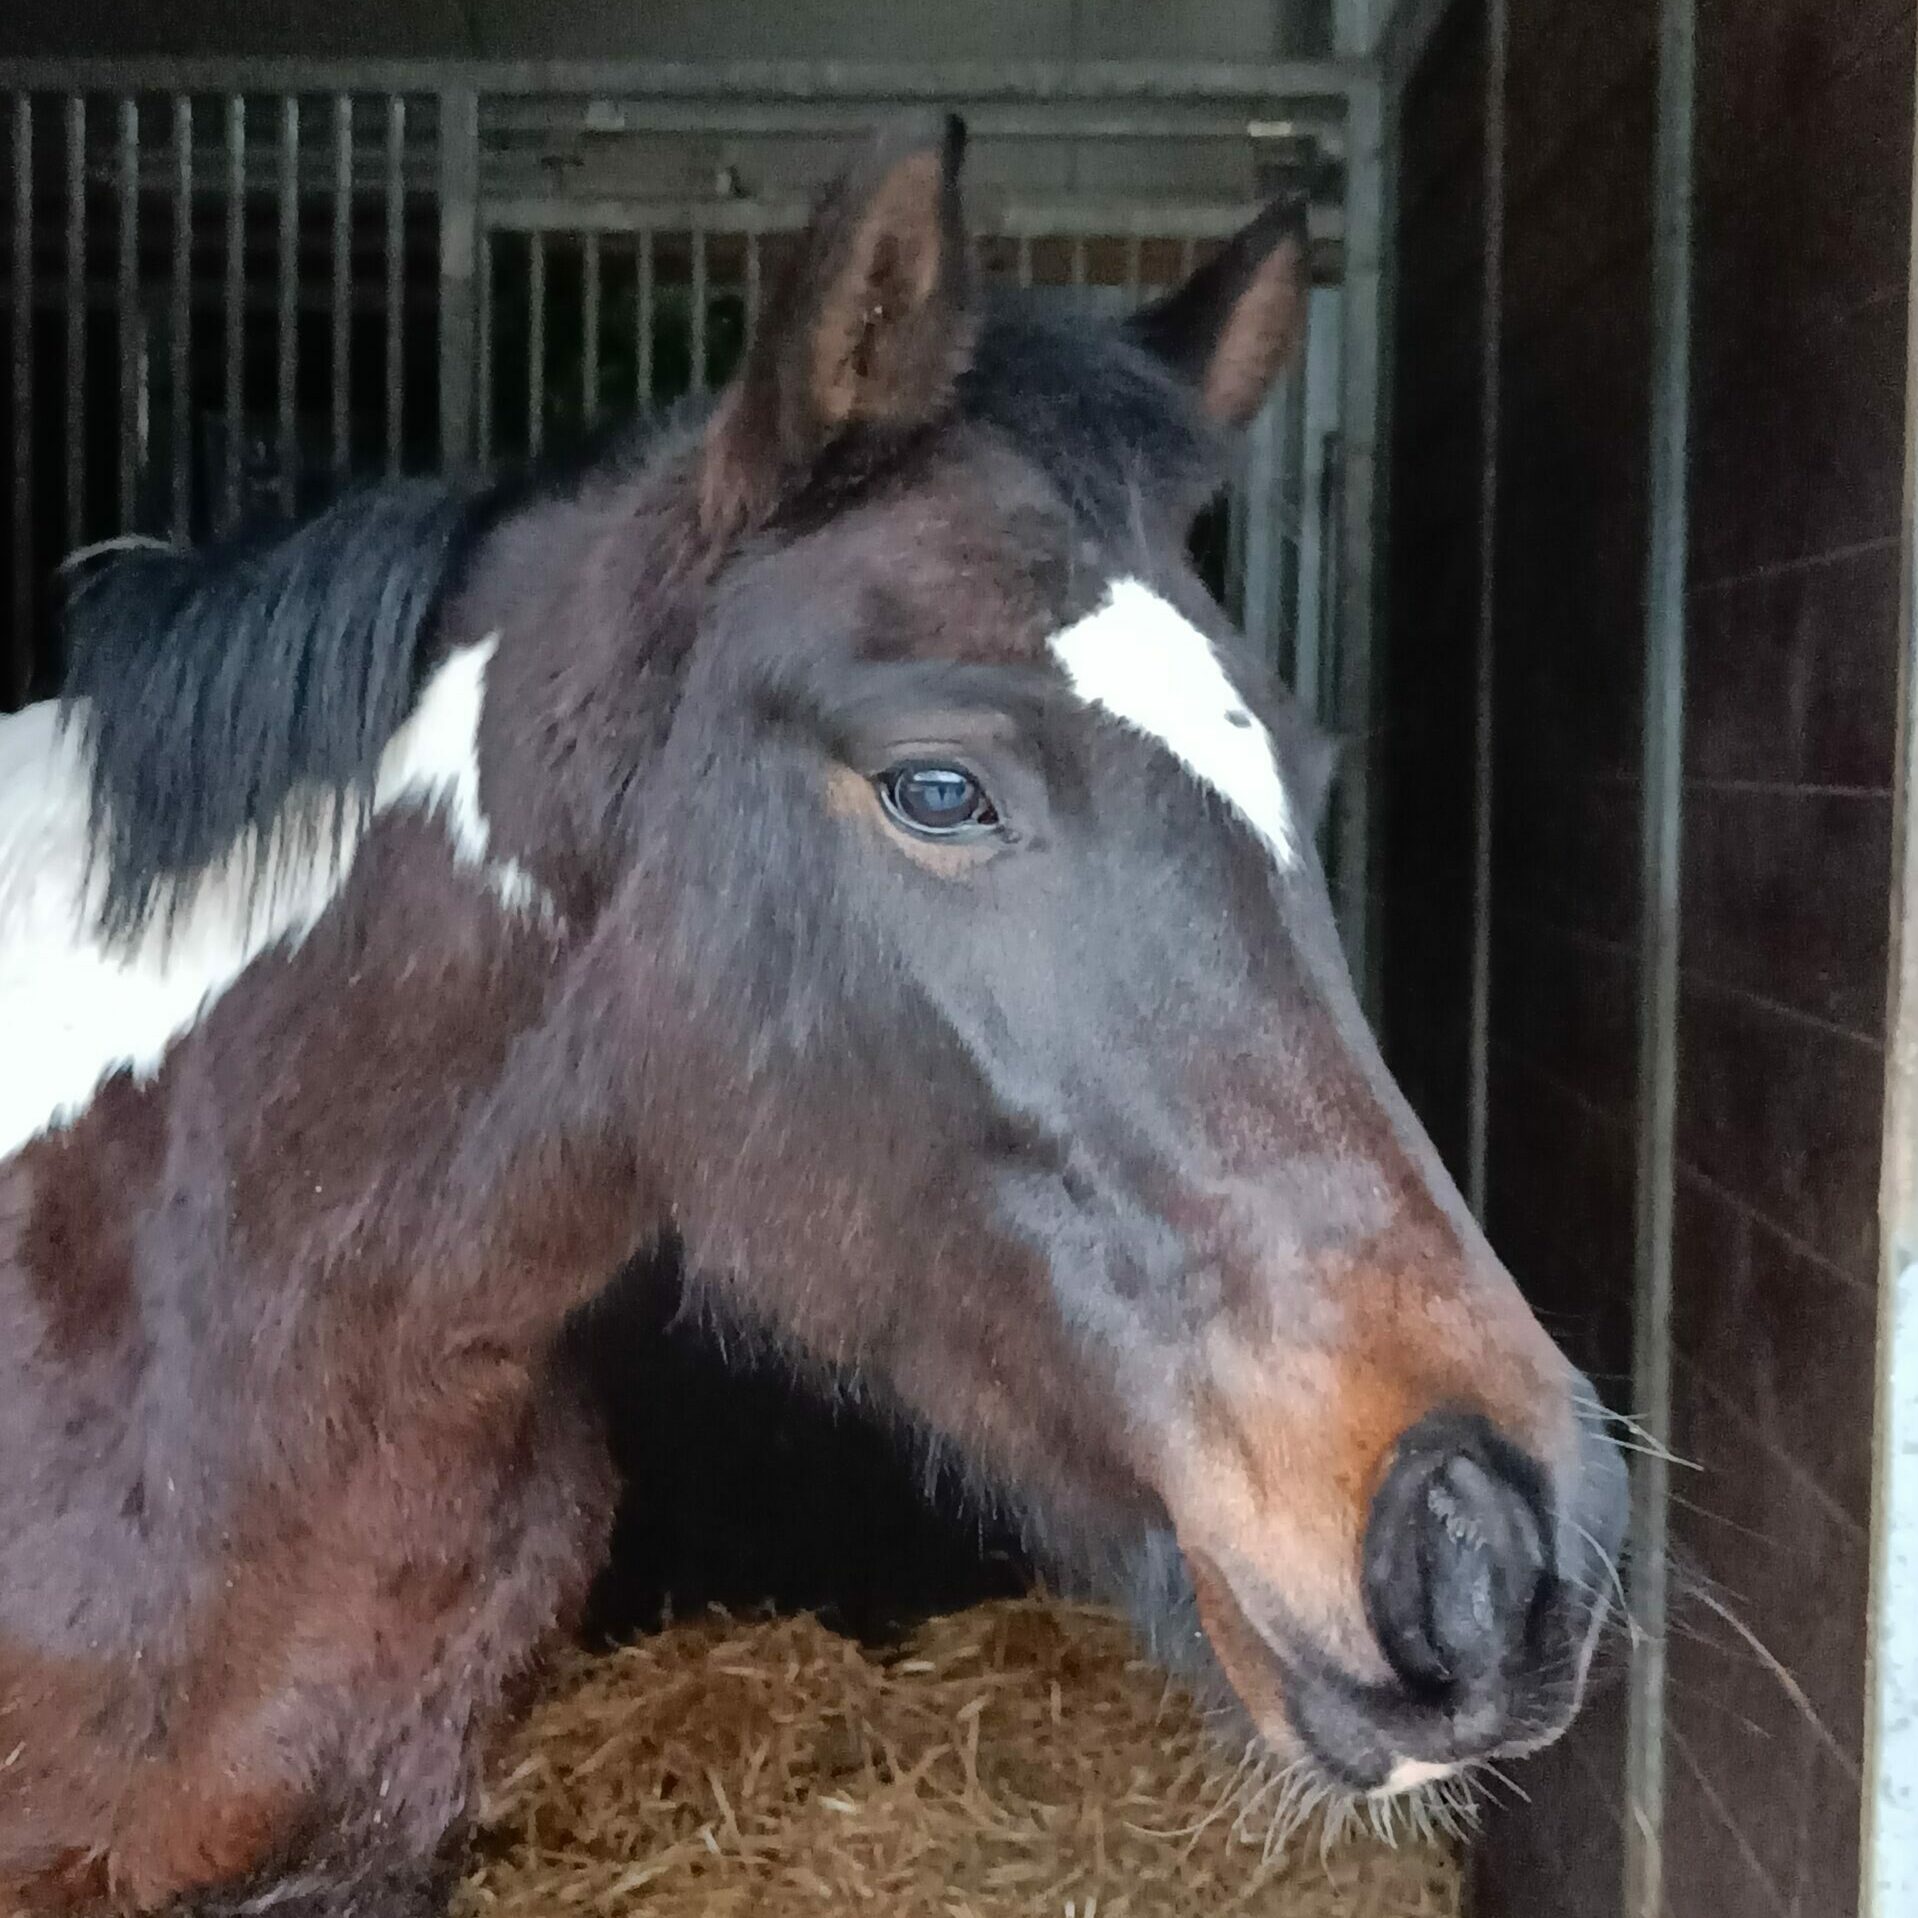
{"x": 1013, "y": 1057}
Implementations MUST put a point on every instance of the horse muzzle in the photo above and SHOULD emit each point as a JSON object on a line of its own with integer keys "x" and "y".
{"x": 1483, "y": 1604}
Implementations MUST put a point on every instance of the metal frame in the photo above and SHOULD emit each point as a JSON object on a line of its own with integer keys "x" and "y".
{"x": 76, "y": 300}
{"x": 1889, "y": 1879}
{"x": 127, "y": 313}
{"x": 463, "y": 349}
{"x": 1316, "y": 609}
{"x": 234, "y": 318}
{"x": 1362, "y": 505}
{"x": 1022, "y": 220}
{"x": 286, "y": 321}
{"x": 1661, "y": 828}
{"x": 1478, "y": 1113}
{"x": 180, "y": 320}
{"x": 19, "y": 650}
{"x": 1266, "y": 85}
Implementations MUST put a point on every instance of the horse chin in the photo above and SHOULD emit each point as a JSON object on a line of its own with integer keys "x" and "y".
{"x": 1189, "y": 1622}
{"x": 1257, "y": 1678}
{"x": 1273, "y": 1697}
{"x": 1247, "y": 1661}
{"x": 1192, "y": 1626}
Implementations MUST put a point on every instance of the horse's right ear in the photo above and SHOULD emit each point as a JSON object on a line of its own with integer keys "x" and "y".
{"x": 1233, "y": 326}
{"x": 869, "y": 328}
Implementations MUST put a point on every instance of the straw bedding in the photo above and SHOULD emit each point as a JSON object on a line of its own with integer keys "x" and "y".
{"x": 1017, "y": 1758}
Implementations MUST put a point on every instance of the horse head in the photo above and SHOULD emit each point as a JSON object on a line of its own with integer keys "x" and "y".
{"x": 967, "y": 958}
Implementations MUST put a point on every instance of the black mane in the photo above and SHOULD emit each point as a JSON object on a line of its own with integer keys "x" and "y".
{"x": 217, "y": 683}
{"x": 1100, "y": 415}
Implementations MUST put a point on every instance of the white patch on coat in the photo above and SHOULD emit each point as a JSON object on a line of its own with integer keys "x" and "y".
{"x": 1141, "y": 659}
{"x": 74, "y": 1010}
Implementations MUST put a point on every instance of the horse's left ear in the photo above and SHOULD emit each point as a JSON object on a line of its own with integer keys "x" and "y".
{"x": 869, "y": 329}
{"x": 1231, "y": 328}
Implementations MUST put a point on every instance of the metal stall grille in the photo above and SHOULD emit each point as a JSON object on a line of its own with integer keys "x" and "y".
{"x": 227, "y": 288}
{"x": 219, "y": 304}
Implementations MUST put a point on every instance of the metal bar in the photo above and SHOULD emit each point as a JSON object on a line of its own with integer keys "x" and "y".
{"x": 1362, "y": 431}
{"x": 1889, "y": 1875}
{"x": 76, "y": 318}
{"x": 1022, "y": 258}
{"x": 1318, "y": 536}
{"x": 1261, "y": 522}
{"x": 1356, "y": 24}
{"x": 341, "y": 367}
{"x": 459, "y": 247}
{"x": 1289, "y": 520}
{"x": 1238, "y": 511}
{"x": 644, "y": 298}
{"x": 518, "y": 213}
{"x": 180, "y": 356}
{"x": 132, "y": 407}
{"x": 287, "y": 334}
{"x": 589, "y": 324}
{"x": 1661, "y": 822}
{"x": 1188, "y": 257}
{"x": 753, "y": 292}
{"x": 1188, "y": 220}
{"x": 1272, "y": 87}
{"x": 1323, "y": 660}
{"x": 235, "y": 326}
{"x": 1190, "y": 123}
{"x": 536, "y": 347}
{"x": 1134, "y": 265}
{"x": 483, "y": 446}
{"x": 20, "y": 650}
{"x": 696, "y": 311}
{"x": 1078, "y": 259}
{"x": 528, "y": 213}
{"x": 395, "y": 279}
{"x": 1484, "y": 746}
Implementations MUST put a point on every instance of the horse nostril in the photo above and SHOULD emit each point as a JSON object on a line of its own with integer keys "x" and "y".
{"x": 1482, "y": 1559}
{"x": 1454, "y": 1555}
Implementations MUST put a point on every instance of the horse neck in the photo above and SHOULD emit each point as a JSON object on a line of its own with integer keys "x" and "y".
{"x": 594, "y": 601}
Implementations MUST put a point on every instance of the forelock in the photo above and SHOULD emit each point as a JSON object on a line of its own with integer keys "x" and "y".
{"x": 1103, "y": 419}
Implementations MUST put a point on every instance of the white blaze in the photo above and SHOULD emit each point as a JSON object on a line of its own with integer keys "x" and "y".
{"x": 1141, "y": 659}
{"x": 74, "y": 1010}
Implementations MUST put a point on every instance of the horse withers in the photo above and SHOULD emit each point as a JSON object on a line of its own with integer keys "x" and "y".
{"x": 837, "y": 831}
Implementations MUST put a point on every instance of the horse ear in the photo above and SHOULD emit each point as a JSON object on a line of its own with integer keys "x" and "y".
{"x": 869, "y": 328}
{"x": 1231, "y": 328}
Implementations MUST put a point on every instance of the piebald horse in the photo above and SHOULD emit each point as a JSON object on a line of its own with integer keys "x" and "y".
{"x": 836, "y": 830}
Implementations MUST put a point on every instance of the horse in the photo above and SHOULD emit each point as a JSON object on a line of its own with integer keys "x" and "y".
{"x": 836, "y": 833}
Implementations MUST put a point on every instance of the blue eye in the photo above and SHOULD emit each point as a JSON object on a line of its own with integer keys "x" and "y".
{"x": 936, "y": 801}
